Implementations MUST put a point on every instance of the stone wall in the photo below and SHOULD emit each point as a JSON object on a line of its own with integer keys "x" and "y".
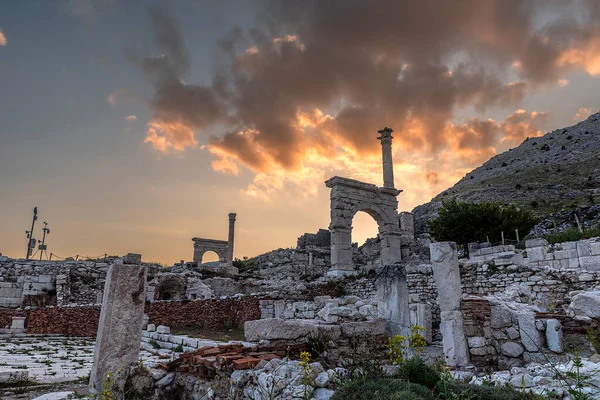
{"x": 212, "y": 313}
{"x": 70, "y": 321}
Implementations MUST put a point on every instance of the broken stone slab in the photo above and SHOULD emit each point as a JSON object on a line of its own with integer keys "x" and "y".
{"x": 531, "y": 337}
{"x": 554, "y": 335}
{"x": 120, "y": 326}
{"x": 392, "y": 298}
{"x": 446, "y": 274}
{"x": 456, "y": 350}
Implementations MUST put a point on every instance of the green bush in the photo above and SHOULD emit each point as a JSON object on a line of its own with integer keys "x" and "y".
{"x": 458, "y": 390}
{"x": 415, "y": 370}
{"x": 472, "y": 222}
{"x": 383, "y": 389}
{"x": 572, "y": 234}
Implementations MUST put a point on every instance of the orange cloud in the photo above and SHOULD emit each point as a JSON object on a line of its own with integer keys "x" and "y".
{"x": 167, "y": 137}
{"x": 130, "y": 118}
{"x": 583, "y": 113}
{"x": 3, "y": 40}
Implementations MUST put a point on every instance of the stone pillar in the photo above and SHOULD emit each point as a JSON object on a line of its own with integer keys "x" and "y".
{"x": 446, "y": 274}
{"x": 392, "y": 298}
{"x": 341, "y": 251}
{"x": 17, "y": 324}
{"x": 386, "y": 152}
{"x": 230, "y": 240}
{"x": 407, "y": 223}
{"x": 120, "y": 326}
{"x": 391, "y": 251}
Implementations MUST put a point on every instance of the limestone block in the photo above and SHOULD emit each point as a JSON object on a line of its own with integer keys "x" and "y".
{"x": 151, "y": 328}
{"x": 320, "y": 301}
{"x": 421, "y": 314}
{"x": 120, "y": 325}
{"x": 277, "y": 329}
{"x": 392, "y": 299}
{"x": 512, "y": 333}
{"x": 486, "y": 251}
{"x": 536, "y": 253}
{"x": 531, "y": 337}
{"x": 44, "y": 278}
{"x": 554, "y": 335}
{"x": 364, "y": 328}
{"x": 163, "y": 329}
{"x": 17, "y": 323}
{"x": 586, "y": 304}
{"x": 456, "y": 351}
{"x": 278, "y": 308}
{"x": 444, "y": 259}
{"x": 476, "y": 341}
{"x": 583, "y": 249}
{"x": 595, "y": 248}
{"x": 535, "y": 243}
{"x": 590, "y": 263}
{"x": 511, "y": 349}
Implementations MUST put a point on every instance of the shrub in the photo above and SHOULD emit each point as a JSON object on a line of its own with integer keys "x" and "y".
{"x": 572, "y": 234}
{"x": 387, "y": 388}
{"x": 415, "y": 370}
{"x": 460, "y": 390}
{"x": 472, "y": 222}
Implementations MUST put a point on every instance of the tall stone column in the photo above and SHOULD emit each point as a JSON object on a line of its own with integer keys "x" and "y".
{"x": 386, "y": 152}
{"x": 230, "y": 240}
{"x": 446, "y": 274}
{"x": 121, "y": 319}
{"x": 392, "y": 298}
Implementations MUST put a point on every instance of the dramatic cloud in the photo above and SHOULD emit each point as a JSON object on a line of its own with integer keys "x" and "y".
{"x": 302, "y": 94}
{"x": 179, "y": 109}
{"x": 583, "y": 113}
{"x": 3, "y": 40}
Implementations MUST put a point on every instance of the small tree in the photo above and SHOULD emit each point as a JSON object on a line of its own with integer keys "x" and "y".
{"x": 465, "y": 222}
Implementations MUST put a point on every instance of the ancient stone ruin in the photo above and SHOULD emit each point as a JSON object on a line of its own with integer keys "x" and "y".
{"x": 223, "y": 248}
{"x": 509, "y": 314}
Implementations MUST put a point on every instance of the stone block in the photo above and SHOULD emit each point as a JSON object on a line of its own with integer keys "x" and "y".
{"x": 278, "y": 308}
{"x": 120, "y": 326}
{"x": 511, "y": 349}
{"x": 535, "y": 243}
{"x": 590, "y": 263}
{"x": 583, "y": 249}
{"x": 554, "y": 335}
{"x": 562, "y": 254}
{"x": 151, "y": 328}
{"x": 372, "y": 327}
{"x": 456, "y": 351}
{"x": 17, "y": 323}
{"x": 444, "y": 259}
{"x": 595, "y": 248}
{"x": 586, "y": 304}
{"x": 278, "y": 329}
{"x": 531, "y": 337}
{"x": 392, "y": 299}
{"x": 476, "y": 341}
{"x": 421, "y": 314}
{"x": 163, "y": 329}
{"x": 44, "y": 278}
{"x": 536, "y": 253}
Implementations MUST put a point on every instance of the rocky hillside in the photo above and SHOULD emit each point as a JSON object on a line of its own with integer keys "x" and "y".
{"x": 549, "y": 174}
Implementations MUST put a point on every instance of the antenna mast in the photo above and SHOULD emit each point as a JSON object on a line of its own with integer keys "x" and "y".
{"x": 31, "y": 242}
{"x": 42, "y": 247}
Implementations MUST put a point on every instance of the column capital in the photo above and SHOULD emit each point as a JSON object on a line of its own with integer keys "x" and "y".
{"x": 232, "y": 216}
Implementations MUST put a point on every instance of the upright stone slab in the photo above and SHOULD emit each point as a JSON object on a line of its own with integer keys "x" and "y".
{"x": 121, "y": 319}
{"x": 392, "y": 298}
{"x": 446, "y": 274}
{"x": 554, "y": 335}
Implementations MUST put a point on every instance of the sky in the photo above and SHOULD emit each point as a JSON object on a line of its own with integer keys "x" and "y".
{"x": 134, "y": 126}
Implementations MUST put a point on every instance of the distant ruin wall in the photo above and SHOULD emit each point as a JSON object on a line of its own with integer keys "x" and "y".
{"x": 69, "y": 321}
{"x": 212, "y": 313}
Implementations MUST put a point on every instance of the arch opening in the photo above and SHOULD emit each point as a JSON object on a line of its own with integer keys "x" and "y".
{"x": 210, "y": 257}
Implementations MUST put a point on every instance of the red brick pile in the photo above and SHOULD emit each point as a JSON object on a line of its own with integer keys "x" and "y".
{"x": 211, "y": 313}
{"x": 206, "y": 361}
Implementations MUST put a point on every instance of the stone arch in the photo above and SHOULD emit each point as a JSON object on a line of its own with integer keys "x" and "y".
{"x": 201, "y": 246}
{"x": 349, "y": 196}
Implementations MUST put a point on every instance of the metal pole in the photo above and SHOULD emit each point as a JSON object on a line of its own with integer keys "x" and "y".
{"x": 30, "y": 235}
{"x": 45, "y": 230}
